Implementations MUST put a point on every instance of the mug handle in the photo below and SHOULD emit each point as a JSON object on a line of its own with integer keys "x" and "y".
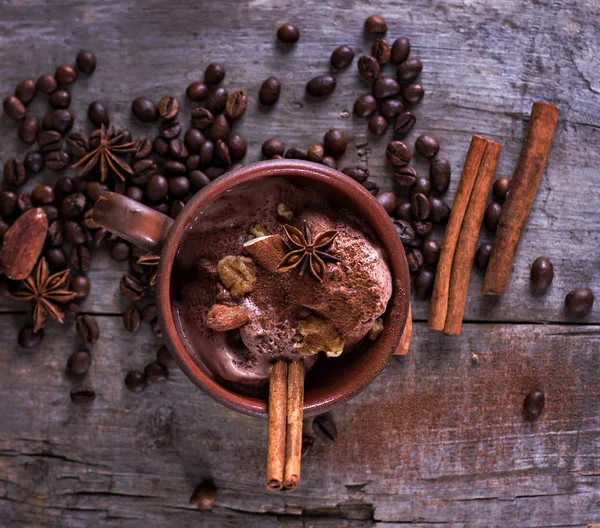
{"x": 131, "y": 220}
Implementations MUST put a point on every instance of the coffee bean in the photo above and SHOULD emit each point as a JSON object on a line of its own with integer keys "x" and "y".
{"x": 168, "y": 107}
{"x": 14, "y": 172}
{"x": 144, "y": 109}
{"x": 59, "y": 120}
{"x": 501, "y": 188}
{"x": 163, "y": 356}
{"x": 28, "y": 339}
{"x": 24, "y": 202}
{"x": 533, "y": 405}
{"x": 404, "y": 123}
{"x": 71, "y": 312}
{"x": 120, "y": 251}
{"x": 8, "y": 203}
{"x": 365, "y": 105}
{"x": 424, "y": 283}
{"x": 397, "y": 153}
{"x": 236, "y": 104}
{"x": 198, "y": 179}
{"x": 420, "y": 207}
{"x": 202, "y": 118}
{"x": 492, "y": 215}
{"x": 482, "y": 256}
{"x": 335, "y": 142}
{"x": 323, "y": 425}
{"x": 321, "y": 86}
{"x": 381, "y": 50}
{"x": 42, "y": 195}
{"x": 63, "y": 187}
{"x": 415, "y": 259}
{"x": 179, "y": 186}
{"x": 431, "y": 252}
{"x": 77, "y": 143}
{"x": 131, "y": 287}
{"x": 237, "y": 146}
{"x": 388, "y": 201}
{"x": 80, "y": 258}
{"x": 94, "y": 190}
{"x": 154, "y": 372}
{"x": 403, "y": 211}
{"x": 25, "y": 91}
{"x": 404, "y": 230}
{"x": 372, "y": 186}
{"x": 358, "y": 174}
{"x": 295, "y": 153}
{"x": 131, "y": 319}
{"x": 14, "y": 108}
{"x": 157, "y": 188}
{"x": 413, "y": 93}
{"x": 542, "y": 273}
{"x": 82, "y": 395}
{"x": 422, "y": 185}
{"x": 55, "y": 233}
{"x": 51, "y": 212}
{"x": 169, "y": 130}
{"x": 87, "y": 329}
{"x": 222, "y": 152}
{"x": 288, "y": 34}
{"x": 28, "y": 129}
{"x": 178, "y": 150}
{"x": 422, "y": 227}
{"x": 390, "y": 108}
{"x": 385, "y": 87}
{"x": 135, "y": 381}
{"x": 204, "y": 495}
{"x": 439, "y": 174}
{"x": 427, "y": 146}
{"x": 79, "y": 362}
{"x": 98, "y": 114}
{"x": 409, "y": 70}
{"x": 271, "y": 147}
{"x": 135, "y": 193}
{"x": 80, "y": 284}
{"x": 86, "y": 62}
{"x": 341, "y": 57}
{"x": 46, "y": 84}
{"x": 65, "y": 74}
{"x": 269, "y": 91}
{"x": 405, "y": 177}
{"x": 34, "y": 162}
{"x": 194, "y": 140}
{"x": 197, "y": 92}
{"x": 315, "y": 153}
{"x": 440, "y": 211}
{"x": 378, "y": 125}
{"x": 143, "y": 147}
{"x": 328, "y": 161}
{"x": 214, "y": 73}
{"x": 216, "y": 100}
{"x": 579, "y": 301}
{"x": 59, "y": 99}
{"x": 400, "y": 50}
{"x": 375, "y": 24}
{"x": 175, "y": 168}
{"x": 57, "y": 160}
{"x": 72, "y": 206}
{"x": 220, "y": 128}
{"x": 160, "y": 146}
{"x": 368, "y": 67}
{"x": 149, "y": 313}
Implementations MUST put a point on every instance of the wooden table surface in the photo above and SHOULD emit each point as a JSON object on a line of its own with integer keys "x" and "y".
{"x": 438, "y": 438}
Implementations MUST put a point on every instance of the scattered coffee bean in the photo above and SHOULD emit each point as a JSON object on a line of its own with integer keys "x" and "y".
{"x": 482, "y": 256}
{"x": 375, "y": 24}
{"x": 424, "y": 283}
{"x": 154, "y": 372}
{"x": 403, "y": 211}
{"x": 51, "y": 212}
{"x": 405, "y": 231}
{"x": 169, "y": 130}
{"x": 80, "y": 258}
{"x": 372, "y": 186}
{"x": 131, "y": 319}
{"x": 400, "y": 50}
{"x": 135, "y": 381}
{"x": 34, "y": 162}
{"x": 131, "y": 288}
{"x": 385, "y": 87}
{"x": 14, "y": 172}
{"x": 542, "y": 273}
{"x": 220, "y": 128}
{"x": 358, "y": 174}
{"x": 378, "y": 125}
{"x": 98, "y": 114}
{"x": 72, "y": 206}
{"x": 390, "y": 108}
{"x": 24, "y": 202}
{"x": 144, "y": 109}
{"x": 431, "y": 252}
{"x": 120, "y": 251}
{"x": 71, "y": 312}
{"x": 237, "y": 146}
{"x": 405, "y": 177}
{"x": 397, "y": 153}
{"x": 8, "y": 203}
{"x": 328, "y": 161}
{"x": 269, "y": 91}
{"x": 409, "y": 70}
{"x": 414, "y": 259}
{"x": 214, "y": 73}
{"x": 236, "y": 104}
{"x": 427, "y": 146}
{"x": 77, "y": 143}
{"x": 168, "y": 107}
{"x": 501, "y": 188}
{"x": 60, "y": 120}
{"x": 14, "y": 108}
{"x": 94, "y": 190}
{"x": 579, "y": 301}
{"x": 335, "y": 142}
{"x": 204, "y": 495}
{"x": 25, "y": 91}
{"x": 87, "y": 329}
{"x": 79, "y": 362}
{"x": 492, "y": 215}
{"x": 86, "y": 62}
{"x": 197, "y": 92}
{"x": 82, "y": 395}
{"x": 178, "y": 150}
{"x": 216, "y": 100}
{"x": 440, "y": 210}
{"x": 288, "y": 34}
{"x": 365, "y": 105}
{"x": 439, "y": 174}
{"x": 404, "y": 123}
{"x": 413, "y": 93}
{"x": 533, "y": 405}
{"x": 420, "y": 207}
{"x": 422, "y": 227}
{"x": 163, "y": 356}
{"x": 315, "y": 153}
{"x": 65, "y": 74}
{"x": 157, "y": 188}
{"x": 149, "y": 313}
{"x": 321, "y": 86}
{"x": 80, "y": 284}
{"x": 57, "y": 258}
{"x": 56, "y": 160}
{"x": 323, "y": 425}
{"x": 295, "y": 153}
{"x": 381, "y": 50}
{"x": 198, "y": 179}
{"x": 59, "y": 99}
{"x": 388, "y": 201}
{"x": 28, "y": 339}
{"x": 46, "y": 84}
{"x": 28, "y": 129}
{"x": 342, "y": 57}
{"x": 368, "y": 67}
{"x": 271, "y": 147}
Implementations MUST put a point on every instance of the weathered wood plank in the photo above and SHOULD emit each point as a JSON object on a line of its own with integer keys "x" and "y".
{"x": 438, "y": 438}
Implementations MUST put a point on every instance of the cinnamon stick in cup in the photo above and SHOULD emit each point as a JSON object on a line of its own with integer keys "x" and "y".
{"x": 277, "y": 426}
{"x": 295, "y": 411}
{"x": 523, "y": 188}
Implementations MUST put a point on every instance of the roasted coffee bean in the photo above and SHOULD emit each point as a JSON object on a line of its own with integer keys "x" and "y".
{"x": 80, "y": 258}
{"x": 397, "y": 153}
{"x": 143, "y": 148}
{"x": 440, "y": 210}
{"x": 131, "y": 319}
{"x": 14, "y": 172}
{"x": 179, "y": 186}
{"x": 400, "y": 50}
{"x": 94, "y": 190}
{"x": 409, "y": 70}
{"x": 77, "y": 143}
{"x": 157, "y": 188}
{"x": 295, "y": 153}
{"x": 65, "y": 74}
{"x": 14, "y": 108}
{"x": 198, "y": 179}
{"x": 132, "y": 288}
{"x": 202, "y": 118}
{"x": 439, "y": 174}
{"x": 197, "y": 92}
{"x": 194, "y": 139}
{"x": 169, "y": 130}
{"x": 415, "y": 260}
{"x": 341, "y": 57}
{"x": 59, "y": 99}
{"x": 220, "y": 128}
{"x": 542, "y": 273}
{"x": 178, "y": 150}
{"x": 168, "y": 107}
{"x": 315, "y": 153}
{"x": 405, "y": 177}
{"x": 82, "y": 395}
{"x": 492, "y": 215}
{"x": 269, "y": 91}
{"x": 236, "y": 105}
{"x": 501, "y": 188}
{"x": 73, "y": 232}
{"x": 34, "y": 162}
{"x": 388, "y": 201}
{"x": 216, "y": 100}
{"x": 154, "y": 372}
{"x": 144, "y": 109}
{"x": 431, "y": 252}
{"x": 403, "y": 211}
{"x": 385, "y": 87}
{"x": 160, "y": 146}
{"x": 55, "y": 233}
{"x": 404, "y": 123}
{"x": 365, "y": 105}
{"x": 8, "y": 203}
{"x": 149, "y": 314}
{"x": 49, "y": 141}
{"x": 143, "y": 170}
{"x": 135, "y": 381}
{"x": 390, "y": 108}
{"x": 328, "y": 161}
{"x": 335, "y": 142}
{"x": 579, "y": 301}
{"x": 28, "y": 339}
{"x": 204, "y": 495}
{"x": 222, "y": 152}
{"x": 51, "y": 212}
{"x": 25, "y": 90}
{"x": 98, "y": 114}
{"x": 86, "y": 62}
{"x": 80, "y": 284}
{"x": 135, "y": 193}
{"x": 120, "y": 251}
{"x": 163, "y": 356}
{"x": 46, "y": 84}
{"x": 427, "y": 146}
{"x": 71, "y": 312}
{"x": 271, "y": 147}
{"x": 405, "y": 231}
{"x": 413, "y": 93}
{"x": 368, "y": 67}
{"x": 288, "y": 34}
{"x": 72, "y": 206}
{"x": 420, "y": 207}
{"x": 375, "y": 24}
{"x": 533, "y": 405}
{"x": 422, "y": 185}
{"x": 57, "y": 258}
{"x": 87, "y": 329}
{"x": 59, "y": 120}
{"x": 175, "y": 168}
{"x": 237, "y": 146}
{"x": 372, "y": 186}
{"x": 381, "y": 50}
{"x": 79, "y": 362}
{"x": 321, "y": 86}
{"x": 79, "y": 185}
{"x": 482, "y": 256}
{"x": 57, "y": 160}
{"x": 28, "y": 129}
{"x": 324, "y": 426}
{"x": 24, "y": 202}
{"x": 422, "y": 227}
{"x": 358, "y": 174}
{"x": 378, "y": 125}
{"x": 424, "y": 283}
{"x": 214, "y": 73}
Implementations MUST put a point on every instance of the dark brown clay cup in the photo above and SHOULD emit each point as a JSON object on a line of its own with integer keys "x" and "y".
{"x": 330, "y": 382}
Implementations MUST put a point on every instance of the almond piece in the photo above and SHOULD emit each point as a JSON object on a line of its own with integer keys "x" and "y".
{"x": 222, "y": 318}
{"x": 267, "y": 251}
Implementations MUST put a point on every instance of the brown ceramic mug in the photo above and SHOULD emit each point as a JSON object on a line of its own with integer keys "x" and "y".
{"x": 330, "y": 382}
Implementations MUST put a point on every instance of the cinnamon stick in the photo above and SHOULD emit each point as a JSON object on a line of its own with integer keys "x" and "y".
{"x": 467, "y": 240}
{"x": 439, "y": 299}
{"x": 277, "y": 426}
{"x": 523, "y": 188}
{"x": 295, "y": 411}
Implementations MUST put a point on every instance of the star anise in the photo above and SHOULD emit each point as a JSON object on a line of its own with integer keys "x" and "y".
{"x": 106, "y": 154}
{"x": 306, "y": 253}
{"x": 150, "y": 260}
{"x": 48, "y": 292}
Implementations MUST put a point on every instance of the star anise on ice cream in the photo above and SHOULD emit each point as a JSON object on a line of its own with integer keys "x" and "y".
{"x": 306, "y": 253}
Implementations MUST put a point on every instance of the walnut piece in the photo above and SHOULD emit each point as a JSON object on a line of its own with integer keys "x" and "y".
{"x": 258, "y": 231}
{"x": 317, "y": 335}
{"x": 376, "y": 329}
{"x": 285, "y": 212}
{"x": 238, "y": 274}
{"x": 222, "y": 318}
